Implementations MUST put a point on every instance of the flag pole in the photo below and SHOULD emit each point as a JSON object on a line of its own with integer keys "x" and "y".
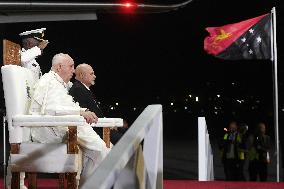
{"x": 275, "y": 87}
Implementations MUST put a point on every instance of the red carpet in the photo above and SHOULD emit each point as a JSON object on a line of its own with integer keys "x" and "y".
{"x": 185, "y": 184}
{"x": 41, "y": 184}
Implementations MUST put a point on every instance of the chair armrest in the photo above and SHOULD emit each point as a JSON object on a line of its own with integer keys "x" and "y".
{"x": 47, "y": 120}
{"x": 108, "y": 122}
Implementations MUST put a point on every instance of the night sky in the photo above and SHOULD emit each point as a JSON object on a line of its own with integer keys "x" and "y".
{"x": 142, "y": 59}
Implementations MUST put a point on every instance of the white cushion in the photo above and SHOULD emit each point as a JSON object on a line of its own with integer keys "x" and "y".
{"x": 45, "y": 158}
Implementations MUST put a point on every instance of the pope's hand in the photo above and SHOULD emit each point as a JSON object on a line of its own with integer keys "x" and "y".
{"x": 89, "y": 116}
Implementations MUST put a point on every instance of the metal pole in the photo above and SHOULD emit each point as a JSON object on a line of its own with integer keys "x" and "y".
{"x": 275, "y": 87}
{"x": 4, "y": 148}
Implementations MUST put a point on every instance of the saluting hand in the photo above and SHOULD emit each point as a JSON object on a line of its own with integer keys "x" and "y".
{"x": 43, "y": 44}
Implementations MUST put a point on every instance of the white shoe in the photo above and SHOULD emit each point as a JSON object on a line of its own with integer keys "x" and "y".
{"x": 23, "y": 187}
{"x": 22, "y": 180}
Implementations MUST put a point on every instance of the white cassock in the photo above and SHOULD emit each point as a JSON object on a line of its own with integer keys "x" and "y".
{"x": 28, "y": 60}
{"x": 50, "y": 97}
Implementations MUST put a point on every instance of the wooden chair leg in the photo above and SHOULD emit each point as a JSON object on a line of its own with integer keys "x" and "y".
{"x": 32, "y": 180}
{"x": 106, "y": 136}
{"x": 71, "y": 180}
{"x": 15, "y": 183}
{"x": 61, "y": 180}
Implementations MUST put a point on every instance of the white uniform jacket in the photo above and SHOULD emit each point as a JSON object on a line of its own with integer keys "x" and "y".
{"x": 28, "y": 60}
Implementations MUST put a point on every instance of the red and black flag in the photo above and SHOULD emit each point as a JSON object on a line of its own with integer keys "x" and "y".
{"x": 249, "y": 39}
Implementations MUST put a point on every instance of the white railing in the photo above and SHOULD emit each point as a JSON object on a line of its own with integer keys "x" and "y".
{"x": 127, "y": 166}
{"x": 205, "y": 155}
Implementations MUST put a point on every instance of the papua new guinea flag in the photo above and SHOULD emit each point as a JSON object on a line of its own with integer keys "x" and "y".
{"x": 249, "y": 39}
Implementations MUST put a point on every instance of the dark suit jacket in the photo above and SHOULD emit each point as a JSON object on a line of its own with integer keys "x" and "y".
{"x": 86, "y": 99}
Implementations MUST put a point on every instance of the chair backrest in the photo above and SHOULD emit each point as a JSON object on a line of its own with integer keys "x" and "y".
{"x": 11, "y": 53}
{"x": 17, "y": 85}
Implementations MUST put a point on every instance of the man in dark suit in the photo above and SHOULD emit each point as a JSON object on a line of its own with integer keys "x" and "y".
{"x": 80, "y": 90}
{"x": 85, "y": 78}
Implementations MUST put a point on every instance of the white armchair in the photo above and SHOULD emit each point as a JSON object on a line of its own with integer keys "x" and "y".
{"x": 28, "y": 156}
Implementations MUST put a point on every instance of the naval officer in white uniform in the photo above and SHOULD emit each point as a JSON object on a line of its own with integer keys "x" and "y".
{"x": 33, "y": 45}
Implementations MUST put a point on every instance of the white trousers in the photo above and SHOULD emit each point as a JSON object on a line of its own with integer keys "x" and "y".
{"x": 90, "y": 161}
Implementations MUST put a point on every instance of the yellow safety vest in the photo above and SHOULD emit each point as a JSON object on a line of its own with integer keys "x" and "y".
{"x": 241, "y": 152}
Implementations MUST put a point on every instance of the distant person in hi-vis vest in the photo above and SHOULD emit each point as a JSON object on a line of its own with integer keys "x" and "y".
{"x": 259, "y": 146}
{"x": 232, "y": 153}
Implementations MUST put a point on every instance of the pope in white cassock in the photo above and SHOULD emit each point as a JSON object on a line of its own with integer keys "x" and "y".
{"x": 50, "y": 97}
{"x": 32, "y": 47}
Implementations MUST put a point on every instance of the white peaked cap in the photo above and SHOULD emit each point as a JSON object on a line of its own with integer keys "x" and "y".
{"x": 37, "y": 31}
